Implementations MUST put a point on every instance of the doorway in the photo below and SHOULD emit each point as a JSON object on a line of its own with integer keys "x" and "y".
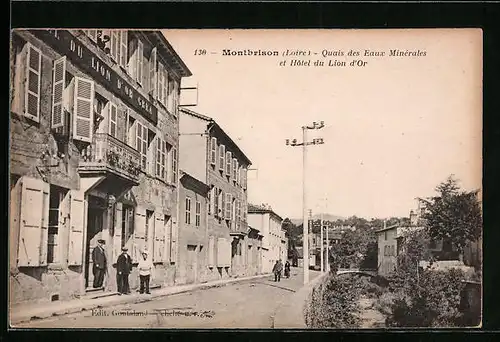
{"x": 95, "y": 221}
{"x": 192, "y": 264}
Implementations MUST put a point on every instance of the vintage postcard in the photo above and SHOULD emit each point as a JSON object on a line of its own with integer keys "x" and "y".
{"x": 260, "y": 179}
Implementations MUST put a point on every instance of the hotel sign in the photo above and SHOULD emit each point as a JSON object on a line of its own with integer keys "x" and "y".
{"x": 67, "y": 44}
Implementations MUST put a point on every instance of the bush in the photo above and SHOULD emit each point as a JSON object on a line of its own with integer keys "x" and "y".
{"x": 334, "y": 304}
{"x": 434, "y": 301}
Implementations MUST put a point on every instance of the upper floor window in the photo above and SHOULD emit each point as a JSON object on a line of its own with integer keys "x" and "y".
{"x": 142, "y": 143}
{"x": 197, "y": 214}
{"x": 161, "y": 158}
{"x": 228, "y": 163}
{"x": 188, "y": 210}
{"x": 213, "y": 150}
{"x": 235, "y": 169}
{"x": 222, "y": 155}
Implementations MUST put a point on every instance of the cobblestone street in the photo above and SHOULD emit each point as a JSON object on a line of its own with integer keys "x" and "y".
{"x": 249, "y": 304}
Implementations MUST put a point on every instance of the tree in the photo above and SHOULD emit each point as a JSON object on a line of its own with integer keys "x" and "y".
{"x": 453, "y": 215}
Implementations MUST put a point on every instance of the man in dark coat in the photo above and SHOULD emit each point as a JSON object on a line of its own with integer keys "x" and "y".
{"x": 123, "y": 269}
{"x": 278, "y": 267}
{"x": 99, "y": 263}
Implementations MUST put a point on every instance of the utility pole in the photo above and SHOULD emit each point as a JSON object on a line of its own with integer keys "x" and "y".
{"x": 305, "y": 226}
{"x": 322, "y": 241}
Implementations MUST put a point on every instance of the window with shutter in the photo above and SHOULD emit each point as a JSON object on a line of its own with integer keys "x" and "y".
{"x": 222, "y": 207}
{"x": 58, "y": 85}
{"x": 139, "y": 243}
{"x": 213, "y": 201}
{"x": 32, "y": 83}
{"x": 170, "y": 94}
{"x": 123, "y": 49}
{"x": 113, "y": 119}
{"x": 117, "y": 232}
{"x": 213, "y": 150}
{"x": 159, "y": 238}
{"x": 197, "y": 220}
{"x": 229, "y": 203}
{"x": 161, "y": 158}
{"x": 34, "y": 219}
{"x": 238, "y": 175}
{"x": 140, "y": 62}
{"x": 115, "y": 45}
{"x": 234, "y": 168}
{"x": 211, "y": 252}
{"x": 228, "y": 163}
{"x": 244, "y": 177}
{"x": 174, "y": 165}
{"x": 188, "y": 210}
{"x": 161, "y": 83}
{"x": 142, "y": 144}
{"x": 153, "y": 73}
{"x": 173, "y": 243}
{"x": 77, "y": 221}
{"x": 222, "y": 156}
{"x": 83, "y": 116}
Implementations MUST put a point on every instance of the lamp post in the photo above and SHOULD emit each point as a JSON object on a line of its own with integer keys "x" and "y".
{"x": 305, "y": 226}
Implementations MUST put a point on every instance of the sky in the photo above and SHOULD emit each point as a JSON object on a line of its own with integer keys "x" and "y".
{"x": 394, "y": 129}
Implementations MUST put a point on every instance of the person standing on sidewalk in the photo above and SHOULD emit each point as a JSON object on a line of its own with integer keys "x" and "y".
{"x": 287, "y": 269}
{"x": 123, "y": 269}
{"x": 99, "y": 264}
{"x": 146, "y": 269}
{"x": 278, "y": 267}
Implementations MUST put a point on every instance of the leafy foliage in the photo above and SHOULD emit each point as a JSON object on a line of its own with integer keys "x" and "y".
{"x": 334, "y": 304}
{"x": 453, "y": 215}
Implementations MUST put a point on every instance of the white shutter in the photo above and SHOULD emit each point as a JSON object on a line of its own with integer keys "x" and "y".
{"x": 139, "y": 233}
{"x": 115, "y": 44}
{"x": 140, "y": 62}
{"x": 83, "y": 116}
{"x": 58, "y": 85}
{"x": 34, "y": 212}
{"x": 212, "y": 201}
{"x": 222, "y": 208}
{"x": 222, "y": 156}
{"x": 228, "y": 206}
{"x": 77, "y": 221}
{"x": 173, "y": 152}
{"x": 211, "y": 252}
{"x": 160, "y": 88}
{"x": 32, "y": 85}
{"x": 159, "y": 238}
{"x": 173, "y": 243}
{"x": 112, "y": 119}
{"x": 132, "y": 62}
{"x": 117, "y": 234}
{"x": 123, "y": 48}
{"x": 213, "y": 150}
{"x": 228, "y": 163}
{"x": 153, "y": 73}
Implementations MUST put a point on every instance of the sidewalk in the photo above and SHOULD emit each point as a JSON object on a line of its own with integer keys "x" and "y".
{"x": 24, "y": 313}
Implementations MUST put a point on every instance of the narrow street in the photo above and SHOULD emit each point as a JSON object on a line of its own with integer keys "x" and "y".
{"x": 249, "y": 304}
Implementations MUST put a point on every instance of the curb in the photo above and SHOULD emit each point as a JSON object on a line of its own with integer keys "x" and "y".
{"x": 290, "y": 315}
{"x": 96, "y": 303}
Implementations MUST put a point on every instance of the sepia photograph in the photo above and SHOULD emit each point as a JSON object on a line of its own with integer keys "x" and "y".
{"x": 257, "y": 179}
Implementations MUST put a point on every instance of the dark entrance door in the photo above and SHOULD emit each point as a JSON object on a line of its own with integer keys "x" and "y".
{"x": 94, "y": 232}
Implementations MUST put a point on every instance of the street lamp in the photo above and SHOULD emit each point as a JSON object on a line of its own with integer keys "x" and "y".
{"x": 305, "y": 230}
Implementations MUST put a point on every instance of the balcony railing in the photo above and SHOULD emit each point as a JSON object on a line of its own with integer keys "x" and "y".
{"x": 238, "y": 227}
{"x": 108, "y": 154}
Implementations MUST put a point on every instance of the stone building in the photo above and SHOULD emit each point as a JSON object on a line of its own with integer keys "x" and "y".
{"x": 193, "y": 230}
{"x": 212, "y": 157}
{"x": 274, "y": 241}
{"x": 94, "y": 140}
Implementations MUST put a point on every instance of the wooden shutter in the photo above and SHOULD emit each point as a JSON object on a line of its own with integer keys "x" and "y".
{"x": 132, "y": 62}
{"x": 211, "y": 252}
{"x": 117, "y": 233}
{"x": 115, "y": 44}
{"x": 228, "y": 163}
{"x": 222, "y": 156}
{"x": 140, "y": 62}
{"x": 174, "y": 165}
{"x": 173, "y": 243}
{"x": 32, "y": 85}
{"x": 113, "y": 119}
{"x": 83, "y": 116}
{"x": 222, "y": 208}
{"x": 77, "y": 222}
{"x": 34, "y": 219}
{"x": 160, "y": 89}
{"x": 123, "y": 48}
{"x": 153, "y": 73}
{"x": 159, "y": 238}
{"x": 213, "y": 151}
{"x": 244, "y": 177}
{"x": 234, "y": 168}
{"x": 213, "y": 199}
{"x": 58, "y": 85}
{"x": 228, "y": 214}
{"x": 139, "y": 233}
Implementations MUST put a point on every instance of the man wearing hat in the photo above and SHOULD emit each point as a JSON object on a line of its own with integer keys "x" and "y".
{"x": 123, "y": 269}
{"x": 99, "y": 263}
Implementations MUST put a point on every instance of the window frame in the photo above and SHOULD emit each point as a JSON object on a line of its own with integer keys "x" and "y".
{"x": 197, "y": 220}
{"x": 187, "y": 210}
